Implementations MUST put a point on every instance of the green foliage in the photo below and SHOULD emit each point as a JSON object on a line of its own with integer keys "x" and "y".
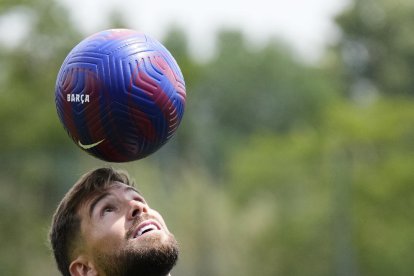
{"x": 33, "y": 149}
{"x": 272, "y": 172}
{"x": 377, "y": 45}
{"x": 244, "y": 91}
{"x": 342, "y": 193}
{"x": 26, "y": 101}
{"x": 285, "y": 173}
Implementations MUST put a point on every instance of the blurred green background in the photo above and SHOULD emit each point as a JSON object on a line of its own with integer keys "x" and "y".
{"x": 280, "y": 166}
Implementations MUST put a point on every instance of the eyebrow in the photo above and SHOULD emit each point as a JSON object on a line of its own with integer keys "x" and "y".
{"x": 131, "y": 188}
{"x": 106, "y": 194}
{"x": 95, "y": 202}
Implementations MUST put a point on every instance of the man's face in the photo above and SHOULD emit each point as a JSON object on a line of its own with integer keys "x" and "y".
{"x": 124, "y": 236}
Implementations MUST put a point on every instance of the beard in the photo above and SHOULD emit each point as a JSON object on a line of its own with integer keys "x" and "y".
{"x": 156, "y": 259}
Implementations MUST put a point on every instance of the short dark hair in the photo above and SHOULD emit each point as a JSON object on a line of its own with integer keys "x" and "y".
{"x": 65, "y": 228}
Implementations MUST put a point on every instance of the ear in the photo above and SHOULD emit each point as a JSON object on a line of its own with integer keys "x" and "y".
{"x": 81, "y": 266}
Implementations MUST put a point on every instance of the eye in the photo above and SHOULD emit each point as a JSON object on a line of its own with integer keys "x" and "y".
{"x": 108, "y": 209}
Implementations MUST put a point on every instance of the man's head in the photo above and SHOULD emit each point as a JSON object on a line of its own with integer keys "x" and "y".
{"x": 104, "y": 226}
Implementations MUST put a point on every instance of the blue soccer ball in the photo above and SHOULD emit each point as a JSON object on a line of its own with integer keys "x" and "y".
{"x": 120, "y": 95}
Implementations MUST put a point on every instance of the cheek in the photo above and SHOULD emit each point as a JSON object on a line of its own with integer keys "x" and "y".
{"x": 108, "y": 235}
{"x": 159, "y": 218}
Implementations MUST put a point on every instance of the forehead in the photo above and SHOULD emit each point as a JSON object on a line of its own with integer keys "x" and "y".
{"x": 115, "y": 188}
{"x": 119, "y": 187}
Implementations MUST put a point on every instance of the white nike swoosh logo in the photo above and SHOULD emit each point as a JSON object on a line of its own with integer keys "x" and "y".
{"x": 90, "y": 145}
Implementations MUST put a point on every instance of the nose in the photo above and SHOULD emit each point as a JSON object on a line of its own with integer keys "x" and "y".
{"x": 136, "y": 209}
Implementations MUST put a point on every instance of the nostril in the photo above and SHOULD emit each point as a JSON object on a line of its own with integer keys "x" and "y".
{"x": 134, "y": 213}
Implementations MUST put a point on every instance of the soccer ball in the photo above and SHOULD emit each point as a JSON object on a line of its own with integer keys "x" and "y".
{"x": 120, "y": 95}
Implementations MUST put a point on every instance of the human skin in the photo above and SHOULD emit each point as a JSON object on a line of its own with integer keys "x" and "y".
{"x": 118, "y": 219}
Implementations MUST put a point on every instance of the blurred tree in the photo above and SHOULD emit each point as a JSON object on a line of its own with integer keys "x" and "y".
{"x": 270, "y": 173}
{"x": 281, "y": 176}
{"x": 26, "y": 103}
{"x": 35, "y": 153}
{"x": 378, "y": 142}
{"x": 245, "y": 90}
{"x": 339, "y": 196}
{"x": 377, "y": 47}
